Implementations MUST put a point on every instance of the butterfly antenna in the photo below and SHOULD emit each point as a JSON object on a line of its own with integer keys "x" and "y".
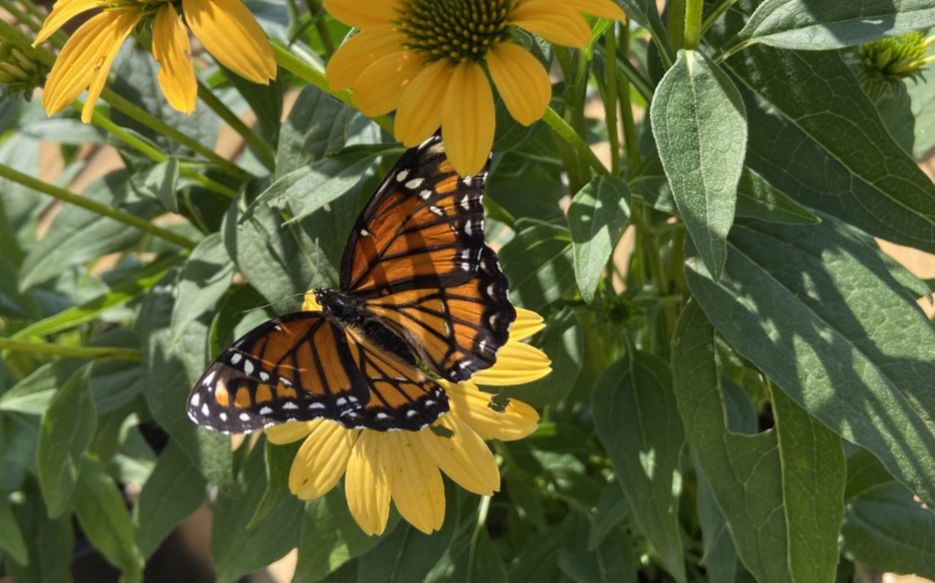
{"x": 271, "y": 304}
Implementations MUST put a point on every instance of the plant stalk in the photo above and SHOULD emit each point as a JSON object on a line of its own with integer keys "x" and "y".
{"x": 88, "y": 352}
{"x": 252, "y": 139}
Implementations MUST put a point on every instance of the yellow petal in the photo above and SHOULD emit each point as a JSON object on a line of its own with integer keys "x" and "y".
{"x": 490, "y": 420}
{"x": 468, "y": 119}
{"x": 229, "y": 32}
{"x": 415, "y": 482}
{"x": 521, "y": 81}
{"x": 289, "y": 432}
{"x": 124, "y": 21}
{"x": 380, "y": 86}
{"x": 527, "y": 324}
{"x": 601, "y": 8}
{"x": 72, "y": 70}
{"x": 365, "y": 484}
{"x": 364, "y": 14}
{"x": 62, "y": 12}
{"x": 173, "y": 52}
{"x": 322, "y": 460}
{"x": 555, "y": 22}
{"x": 358, "y": 53}
{"x": 463, "y": 456}
{"x": 420, "y": 109}
{"x": 516, "y": 364}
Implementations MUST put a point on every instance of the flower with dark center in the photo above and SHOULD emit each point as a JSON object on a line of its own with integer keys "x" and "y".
{"x": 429, "y": 60}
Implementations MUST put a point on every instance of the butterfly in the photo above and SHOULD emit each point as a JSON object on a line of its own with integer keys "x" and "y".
{"x": 421, "y": 297}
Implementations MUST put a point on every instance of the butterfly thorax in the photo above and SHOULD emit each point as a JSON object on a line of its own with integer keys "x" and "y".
{"x": 350, "y": 312}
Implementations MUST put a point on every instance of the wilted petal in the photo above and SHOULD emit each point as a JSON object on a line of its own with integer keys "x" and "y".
{"x": 555, "y": 22}
{"x": 521, "y": 81}
{"x": 173, "y": 52}
{"x": 468, "y": 120}
{"x": 322, "y": 459}
{"x": 365, "y": 484}
{"x": 492, "y": 420}
{"x": 415, "y": 482}
{"x": 228, "y": 31}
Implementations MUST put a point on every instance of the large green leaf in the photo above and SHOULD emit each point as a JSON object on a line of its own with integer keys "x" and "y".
{"x": 636, "y": 420}
{"x": 596, "y": 218}
{"x": 798, "y": 467}
{"x": 539, "y": 264}
{"x": 406, "y": 554}
{"x": 65, "y": 432}
{"x": 611, "y": 561}
{"x": 837, "y": 155}
{"x": 203, "y": 279}
{"x": 817, "y": 311}
{"x": 174, "y": 490}
{"x": 330, "y": 538}
{"x": 105, "y": 520}
{"x": 834, "y": 24}
{"x": 700, "y": 126}
{"x": 888, "y": 530}
{"x": 11, "y": 538}
{"x": 237, "y": 551}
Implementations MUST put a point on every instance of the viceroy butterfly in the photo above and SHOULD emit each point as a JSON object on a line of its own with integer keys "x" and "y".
{"x": 420, "y": 294}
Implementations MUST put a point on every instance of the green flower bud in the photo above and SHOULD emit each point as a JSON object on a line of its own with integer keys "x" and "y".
{"x": 886, "y": 63}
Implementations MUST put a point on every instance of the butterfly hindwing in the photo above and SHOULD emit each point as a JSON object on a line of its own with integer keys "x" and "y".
{"x": 297, "y": 368}
{"x": 456, "y": 330}
{"x": 423, "y": 228}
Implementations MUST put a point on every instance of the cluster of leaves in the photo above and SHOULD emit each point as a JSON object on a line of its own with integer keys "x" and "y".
{"x": 755, "y": 403}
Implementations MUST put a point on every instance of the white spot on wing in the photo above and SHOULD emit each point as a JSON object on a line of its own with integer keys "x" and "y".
{"x": 223, "y": 416}
{"x": 266, "y": 411}
{"x": 236, "y": 357}
{"x": 340, "y": 401}
{"x": 466, "y": 203}
{"x": 425, "y": 194}
{"x": 248, "y": 366}
{"x": 316, "y": 405}
{"x": 196, "y": 400}
{"x": 364, "y": 233}
{"x": 204, "y": 410}
{"x": 289, "y": 405}
{"x": 411, "y": 413}
{"x": 264, "y": 376}
{"x": 245, "y": 417}
{"x": 209, "y": 380}
{"x": 415, "y": 183}
{"x": 402, "y": 175}
{"x": 382, "y": 416}
{"x": 437, "y": 210}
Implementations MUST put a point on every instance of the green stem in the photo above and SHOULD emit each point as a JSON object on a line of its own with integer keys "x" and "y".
{"x": 693, "y": 15}
{"x": 263, "y": 150}
{"x": 157, "y": 125}
{"x": 716, "y": 13}
{"x": 630, "y": 138}
{"x": 564, "y": 131}
{"x": 675, "y": 23}
{"x": 610, "y": 98}
{"x": 95, "y": 207}
{"x": 482, "y": 511}
{"x": 316, "y": 76}
{"x": 316, "y": 13}
{"x": 88, "y": 352}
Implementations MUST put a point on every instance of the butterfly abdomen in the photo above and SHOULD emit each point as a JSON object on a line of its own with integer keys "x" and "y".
{"x": 350, "y": 312}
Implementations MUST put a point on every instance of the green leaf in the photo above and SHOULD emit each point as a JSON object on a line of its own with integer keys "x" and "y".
{"x": 539, "y": 263}
{"x": 330, "y": 538}
{"x": 798, "y": 467}
{"x": 611, "y": 561}
{"x": 598, "y": 214}
{"x": 562, "y": 339}
{"x": 173, "y": 491}
{"x": 636, "y": 420}
{"x": 611, "y": 511}
{"x": 204, "y": 278}
{"x": 863, "y": 473}
{"x": 65, "y": 432}
{"x": 838, "y": 157}
{"x": 757, "y": 199}
{"x": 278, "y": 465}
{"x": 720, "y": 556}
{"x": 814, "y": 295}
{"x": 834, "y": 24}
{"x": 105, "y": 520}
{"x": 11, "y": 538}
{"x": 33, "y": 394}
{"x": 700, "y": 125}
{"x": 888, "y": 530}
{"x": 910, "y": 116}
{"x": 264, "y": 99}
{"x": 50, "y": 542}
{"x": 160, "y": 182}
{"x": 166, "y": 385}
{"x": 236, "y": 551}
{"x": 77, "y": 235}
{"x": 407, "y": 555}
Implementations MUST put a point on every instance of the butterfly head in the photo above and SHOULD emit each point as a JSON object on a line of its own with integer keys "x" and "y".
{"x": 340, "y": 307}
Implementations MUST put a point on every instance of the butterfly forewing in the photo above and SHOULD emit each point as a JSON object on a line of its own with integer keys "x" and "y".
{"x": 297, "y": 368}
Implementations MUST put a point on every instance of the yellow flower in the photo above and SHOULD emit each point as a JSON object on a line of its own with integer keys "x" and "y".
{"x": 226, "y": 28}
{"x": 424, "y": 59}
{"x": 406, "y": 466}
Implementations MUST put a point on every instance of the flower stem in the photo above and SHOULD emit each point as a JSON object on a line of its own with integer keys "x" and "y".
{"x": 564, "y": 131}
{"x": 263, "y": 150}
{"x": 316, "y": 13}
{"x": 675, "y": 23}
{"x": 482, "y": 511}
{"x": 716, "y": 13}
{"x": 140, "y": 115}
{"x": 630, "y": 138}
{"x": 69, "y": 197}
{"x": 314, "y": 75}
{"x": 693, "y": 15}
{"x": 610, "y": 97}
{"x": 89, "y": 352}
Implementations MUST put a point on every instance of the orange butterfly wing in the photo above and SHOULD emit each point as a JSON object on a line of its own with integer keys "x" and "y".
{"x": 303, "y": 366}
